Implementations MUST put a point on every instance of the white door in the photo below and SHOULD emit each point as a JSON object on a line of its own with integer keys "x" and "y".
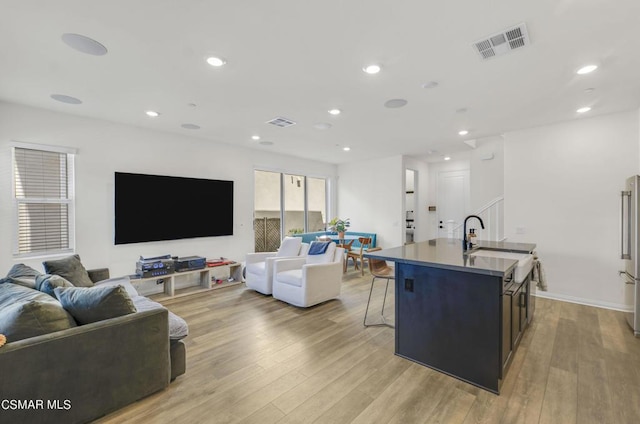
{"x": 453, "y": 202}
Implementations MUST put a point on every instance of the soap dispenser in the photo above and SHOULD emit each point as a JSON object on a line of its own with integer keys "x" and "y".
{"x": 472, "y": 237}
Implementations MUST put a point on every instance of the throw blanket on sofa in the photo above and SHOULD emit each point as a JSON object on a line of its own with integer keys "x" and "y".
{"x": 318, "y": 247}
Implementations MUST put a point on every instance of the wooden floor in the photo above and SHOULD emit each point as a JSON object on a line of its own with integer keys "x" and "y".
{"x": 253, "y": 359}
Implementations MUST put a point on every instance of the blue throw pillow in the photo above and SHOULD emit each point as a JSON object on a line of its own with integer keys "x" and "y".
{"x": 318, "y": 247}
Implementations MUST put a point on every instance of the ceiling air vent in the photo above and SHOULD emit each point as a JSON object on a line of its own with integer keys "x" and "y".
{"x": 502, "y": 42}
{"x": 281, "y": 122}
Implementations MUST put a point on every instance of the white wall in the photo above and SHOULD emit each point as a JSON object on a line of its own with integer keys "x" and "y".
{"x": 487, "y": 175}
{"x": 105, "y": 147}
{"x": 562, "y": 189}
{"x": 371, "y": 193}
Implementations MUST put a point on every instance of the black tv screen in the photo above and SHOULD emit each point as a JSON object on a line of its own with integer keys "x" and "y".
{"x": 155, "y": 207}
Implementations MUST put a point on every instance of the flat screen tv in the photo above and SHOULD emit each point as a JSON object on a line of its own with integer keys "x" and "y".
{"x": 155, "y": 207}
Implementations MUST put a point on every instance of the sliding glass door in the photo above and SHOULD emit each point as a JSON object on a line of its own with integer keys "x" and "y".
{"x": 266, "y": 213}
{"x": 286, "y": 204}
{"x": 316, "y": 204}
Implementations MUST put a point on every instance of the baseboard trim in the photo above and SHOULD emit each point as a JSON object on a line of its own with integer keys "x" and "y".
{"x": 582, "y": 301}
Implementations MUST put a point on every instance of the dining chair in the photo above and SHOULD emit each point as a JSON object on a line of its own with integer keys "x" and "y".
{"x": 347, "y": 249}
{"x": 379, "y": 269}
{"x": 358, "y": 254}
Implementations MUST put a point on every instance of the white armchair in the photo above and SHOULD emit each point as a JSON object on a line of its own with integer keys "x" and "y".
{"x": 259, "y": 266}
{"x": 309, "y": 280}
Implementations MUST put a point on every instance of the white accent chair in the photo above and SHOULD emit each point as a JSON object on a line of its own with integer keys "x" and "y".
{"x": 259, "y": 266}
{"x": 310, "y": 280}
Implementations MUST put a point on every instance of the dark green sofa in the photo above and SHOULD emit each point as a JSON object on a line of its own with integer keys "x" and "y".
{"x": 79, "y": 374}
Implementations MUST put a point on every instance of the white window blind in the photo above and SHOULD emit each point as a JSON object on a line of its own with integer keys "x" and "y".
{"x": 43, "y": 190}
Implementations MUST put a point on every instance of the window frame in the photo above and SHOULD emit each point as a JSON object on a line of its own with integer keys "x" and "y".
{"x": 69, "y": 200}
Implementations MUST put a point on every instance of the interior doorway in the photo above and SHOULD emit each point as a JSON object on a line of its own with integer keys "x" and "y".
{"x": 453, "y": 197}
{"x": 410, "y": 205}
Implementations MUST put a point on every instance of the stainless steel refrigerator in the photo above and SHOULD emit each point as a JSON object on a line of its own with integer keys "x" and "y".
{"x": 631, "y": 251}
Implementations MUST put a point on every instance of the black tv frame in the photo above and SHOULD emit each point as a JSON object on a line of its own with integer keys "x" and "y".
{"x": 160, "y": 208}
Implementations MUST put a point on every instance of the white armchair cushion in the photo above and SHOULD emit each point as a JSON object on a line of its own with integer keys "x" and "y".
{"x": 326, "y": 257}
{"x": 290, "y": 246}
{"x": 256, "y": 262}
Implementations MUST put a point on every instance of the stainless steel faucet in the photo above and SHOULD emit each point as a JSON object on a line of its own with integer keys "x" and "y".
{"x": 466, "y": 246}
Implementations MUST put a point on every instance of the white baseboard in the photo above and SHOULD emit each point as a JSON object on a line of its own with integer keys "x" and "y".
{"x": 581, "y": 301}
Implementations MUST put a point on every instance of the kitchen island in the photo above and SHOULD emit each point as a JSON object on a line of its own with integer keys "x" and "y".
{"x": 461, "y": 312}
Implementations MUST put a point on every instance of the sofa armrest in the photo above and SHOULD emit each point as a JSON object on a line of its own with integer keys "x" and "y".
{"x": 98, "y": 274}
{"x": 89, "y": 370}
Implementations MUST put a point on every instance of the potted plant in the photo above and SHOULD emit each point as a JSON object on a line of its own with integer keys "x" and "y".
{"x": 339, "y": 226}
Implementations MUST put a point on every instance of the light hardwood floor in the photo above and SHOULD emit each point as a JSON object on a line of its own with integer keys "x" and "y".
{"x": 253, "y": 359}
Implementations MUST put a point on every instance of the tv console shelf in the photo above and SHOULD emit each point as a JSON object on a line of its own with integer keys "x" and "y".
{"x": 189, "y": 282}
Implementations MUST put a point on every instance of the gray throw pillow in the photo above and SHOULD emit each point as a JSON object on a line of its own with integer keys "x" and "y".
{"x": 71, "y": 269}
{"x": 92, "y": 304}
{"x": 33, "y": 318}
{"x": 47, "y": 282}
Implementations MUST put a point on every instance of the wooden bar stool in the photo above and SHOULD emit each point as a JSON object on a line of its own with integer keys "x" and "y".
{"x": 379, "y": 269}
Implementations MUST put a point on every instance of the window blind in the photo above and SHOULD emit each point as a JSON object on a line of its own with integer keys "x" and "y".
{"x": 42, "y": 196}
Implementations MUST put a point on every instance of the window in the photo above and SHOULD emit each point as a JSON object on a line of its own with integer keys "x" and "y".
{"x": 43, "y": 198}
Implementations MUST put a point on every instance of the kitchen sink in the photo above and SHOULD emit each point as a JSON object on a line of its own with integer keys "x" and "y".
{"x": 524, "y": 266}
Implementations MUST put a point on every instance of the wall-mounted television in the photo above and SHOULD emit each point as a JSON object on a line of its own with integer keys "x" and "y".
{"x": 156, "y": 207}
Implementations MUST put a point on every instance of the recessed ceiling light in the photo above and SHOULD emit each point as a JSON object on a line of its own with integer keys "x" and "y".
{"x": 216, "y": 61}
{"x": 152, "y": 113}
{"x": 322, "y": 125}
{"x": 462, "y": 110}
{"x": 395, "y": 103}
{"x": 447, "y": 158}
{"x": 346, "y": 149}
{"x": 192, "y": 104}
{"x": 586, "y": 69}
{"x": 589, "y": 90}
{"x": 583, "y": 109}
{"x": 190, "y": 126}
{"x": 266, "y": 143}
{"x": 84, "y": 44}
{"x": 66, "y": 99}
{"x": 335, "y": 111}
{"x": 430, "y": 84}
{"x": 372, "y": 69}
{"x": 463, "y": 132}
{"x": 255, "y": 137}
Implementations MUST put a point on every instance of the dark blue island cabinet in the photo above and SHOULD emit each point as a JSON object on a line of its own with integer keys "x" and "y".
{"x": 450, "y": 321}
{"x": 458, "y": 314}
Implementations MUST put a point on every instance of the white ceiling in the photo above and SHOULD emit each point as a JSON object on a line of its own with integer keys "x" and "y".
{"x": 297, "y": 59}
